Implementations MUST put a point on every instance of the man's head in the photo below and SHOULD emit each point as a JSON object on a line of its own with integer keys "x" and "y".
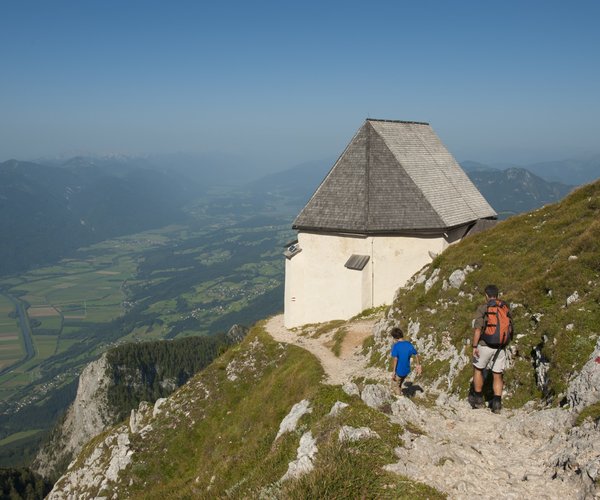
{"x": 397, "y": 333}
{"x": 491, "y": 291}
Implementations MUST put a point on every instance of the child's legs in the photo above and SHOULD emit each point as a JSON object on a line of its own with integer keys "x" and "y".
{"x": 397, "y": 384}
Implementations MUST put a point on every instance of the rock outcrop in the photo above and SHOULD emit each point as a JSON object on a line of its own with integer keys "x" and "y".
{"x": 111, "y": 454}
{"x": 87, "y": 416}
{"x": 584, "y": 389}
{"x": 91, "y": 412}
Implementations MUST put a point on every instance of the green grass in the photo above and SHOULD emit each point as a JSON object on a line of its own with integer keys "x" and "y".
{"x": 528, "y": 257}
{"x": 229, "y": 436}
{"x": 45, "y": 345}
{"x": 19, "y": 435}
{"x": 224, "y": 446}
{"x": 591, "y": 411}
{"x": 370, "y": 313}
{"x": 350, "y": 472}
{"x": 337, "y": 340}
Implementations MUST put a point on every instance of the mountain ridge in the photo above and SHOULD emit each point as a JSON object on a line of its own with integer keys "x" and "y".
{"x": 229, "y": 431}
{"x": 47, "y": 212}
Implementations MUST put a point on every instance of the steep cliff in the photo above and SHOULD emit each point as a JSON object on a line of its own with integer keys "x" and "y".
{"x": 257, "y": 423}
{"x": 110, "y": 387}
{"x": 87, "y": 416}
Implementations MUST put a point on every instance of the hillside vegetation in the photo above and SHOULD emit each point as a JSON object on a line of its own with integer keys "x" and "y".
{"x": 147, "y": 371}
{"x": 115, "y": 384}
{"x": 222, "y": 435}
{"x": 48, "y": 212}
{"x": 547, "y": 265}
{"x": 516, "y": 190}
{"x": 217, "y": 437}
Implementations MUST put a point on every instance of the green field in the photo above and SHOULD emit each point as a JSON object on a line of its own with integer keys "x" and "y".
{"x": 62, "y": 302}
{"x": 11, "y": 346}
{"x": 19, "y": 435}
{"x": 174, "y": 282}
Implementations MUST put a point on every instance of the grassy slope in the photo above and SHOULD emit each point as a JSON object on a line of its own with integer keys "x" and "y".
{"x": 532, "y": 259}
{"x": 223, "y": 445}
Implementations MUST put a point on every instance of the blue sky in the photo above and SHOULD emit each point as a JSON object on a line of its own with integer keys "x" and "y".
{"x": 287, "y": 82}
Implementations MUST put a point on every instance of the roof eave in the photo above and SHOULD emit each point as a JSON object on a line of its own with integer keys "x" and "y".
{"x": 386, "y": 232}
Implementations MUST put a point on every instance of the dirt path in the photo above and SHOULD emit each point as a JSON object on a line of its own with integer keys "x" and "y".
{"x": 338, "y": 370}
{"x": 465, "y": 453}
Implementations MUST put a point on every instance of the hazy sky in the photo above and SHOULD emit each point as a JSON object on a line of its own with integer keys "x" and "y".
{"x": 285, "y": 82}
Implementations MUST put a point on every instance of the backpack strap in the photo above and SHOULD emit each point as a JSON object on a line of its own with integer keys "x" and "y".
{"x": 496, "y": 357}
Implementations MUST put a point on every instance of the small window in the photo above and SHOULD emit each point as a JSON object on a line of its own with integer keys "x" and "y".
{"x": 292, "y": 250}
{"x": 357, "y": 262}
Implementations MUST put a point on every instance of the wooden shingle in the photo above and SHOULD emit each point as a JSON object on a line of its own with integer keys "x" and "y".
{"x": 394, "y": 177}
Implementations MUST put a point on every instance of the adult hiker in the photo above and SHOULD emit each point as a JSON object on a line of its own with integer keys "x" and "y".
{"x": 492, "y": 332}
{"x": 402, "y": 351}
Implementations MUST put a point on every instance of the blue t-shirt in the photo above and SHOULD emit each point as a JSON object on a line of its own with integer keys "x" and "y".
{"x": 403, "y": 350}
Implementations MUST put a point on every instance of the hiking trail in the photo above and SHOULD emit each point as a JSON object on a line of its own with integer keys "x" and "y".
{"x": 458, "y": 450}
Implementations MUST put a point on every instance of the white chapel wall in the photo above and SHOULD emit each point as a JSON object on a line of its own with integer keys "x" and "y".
{"x": 317, "y": 285}
{"x": 319, "y": 288}
{"x": 396, "y": 259}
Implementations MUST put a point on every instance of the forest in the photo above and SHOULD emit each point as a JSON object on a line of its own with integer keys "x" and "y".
{"x": 151, "y": 370}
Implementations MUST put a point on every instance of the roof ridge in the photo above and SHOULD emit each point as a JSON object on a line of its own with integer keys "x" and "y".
{"x": 408, "y": 122}
{"x": 393, "y": 178}
{"x": 449, "y": 179}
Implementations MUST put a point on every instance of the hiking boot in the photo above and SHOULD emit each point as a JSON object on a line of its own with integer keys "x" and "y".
{"x": 496, "y": 405}
{"x": 476, "y": 401}
{"x": 396, "y": 389}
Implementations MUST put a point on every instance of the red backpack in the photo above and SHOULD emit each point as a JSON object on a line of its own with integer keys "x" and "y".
{"x": 498, "y": 328}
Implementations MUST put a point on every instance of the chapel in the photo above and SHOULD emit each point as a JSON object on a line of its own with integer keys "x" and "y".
{"x": 393, "y": 200}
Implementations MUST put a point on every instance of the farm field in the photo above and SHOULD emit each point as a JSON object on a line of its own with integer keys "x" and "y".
{"x": 172, "y": 282}
{"x": 11, "y": 346}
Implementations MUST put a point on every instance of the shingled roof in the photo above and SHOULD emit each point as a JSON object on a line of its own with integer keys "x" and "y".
{"x": 394, "y": 177}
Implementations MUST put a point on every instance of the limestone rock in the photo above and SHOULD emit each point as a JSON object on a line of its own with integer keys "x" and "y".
{"x": 376, "y": 395}
{"x": 348, "y": 433}
{"x": 413, "y": 328}
{"x": 236, "y": 333}
{"x": 157, "y": 407}
{"x": 305, "y": 454}
{"x": 406, "y": 411}
{"x": 541, "y": 424}
{"x": 584, "y": 389}
{"x": 337, "y": 408}
{"x": 576, "y": 457}
{"x": 457, "y": 278}
{"x": 351, "y": 389}
{"x": 100, "y": 468}
{"x": 432, "y": 280}
{"x": 574, "y": 297}
{"x": 290, "y": 421}
{"x": 542, "y": 365}
{"x": 86, "y": 417}
{"x": 133, "y": 424}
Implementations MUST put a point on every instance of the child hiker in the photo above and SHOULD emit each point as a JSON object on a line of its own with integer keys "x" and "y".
{"x": 402, "y": 351}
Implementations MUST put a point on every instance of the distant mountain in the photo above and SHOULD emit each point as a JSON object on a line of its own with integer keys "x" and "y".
{"x": 208, "y": 169}
{"x": 203, "y": 170}
{"x": 510, "y": 191}
{"x": 295, "y": 185}
{"x": 475, "y": 166}
{"x": 516, "y": 190}
{"x": 48, "y": 211}
{"x": 573, "y": 171}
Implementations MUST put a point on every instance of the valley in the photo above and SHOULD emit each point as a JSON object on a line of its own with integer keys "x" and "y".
{"x": 214, "y": 262}
{"x": 177, "y": 281}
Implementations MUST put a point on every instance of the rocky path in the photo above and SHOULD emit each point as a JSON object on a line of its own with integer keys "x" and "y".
{"x": 340, "y": 369}
{"x": 465, "y": 453}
